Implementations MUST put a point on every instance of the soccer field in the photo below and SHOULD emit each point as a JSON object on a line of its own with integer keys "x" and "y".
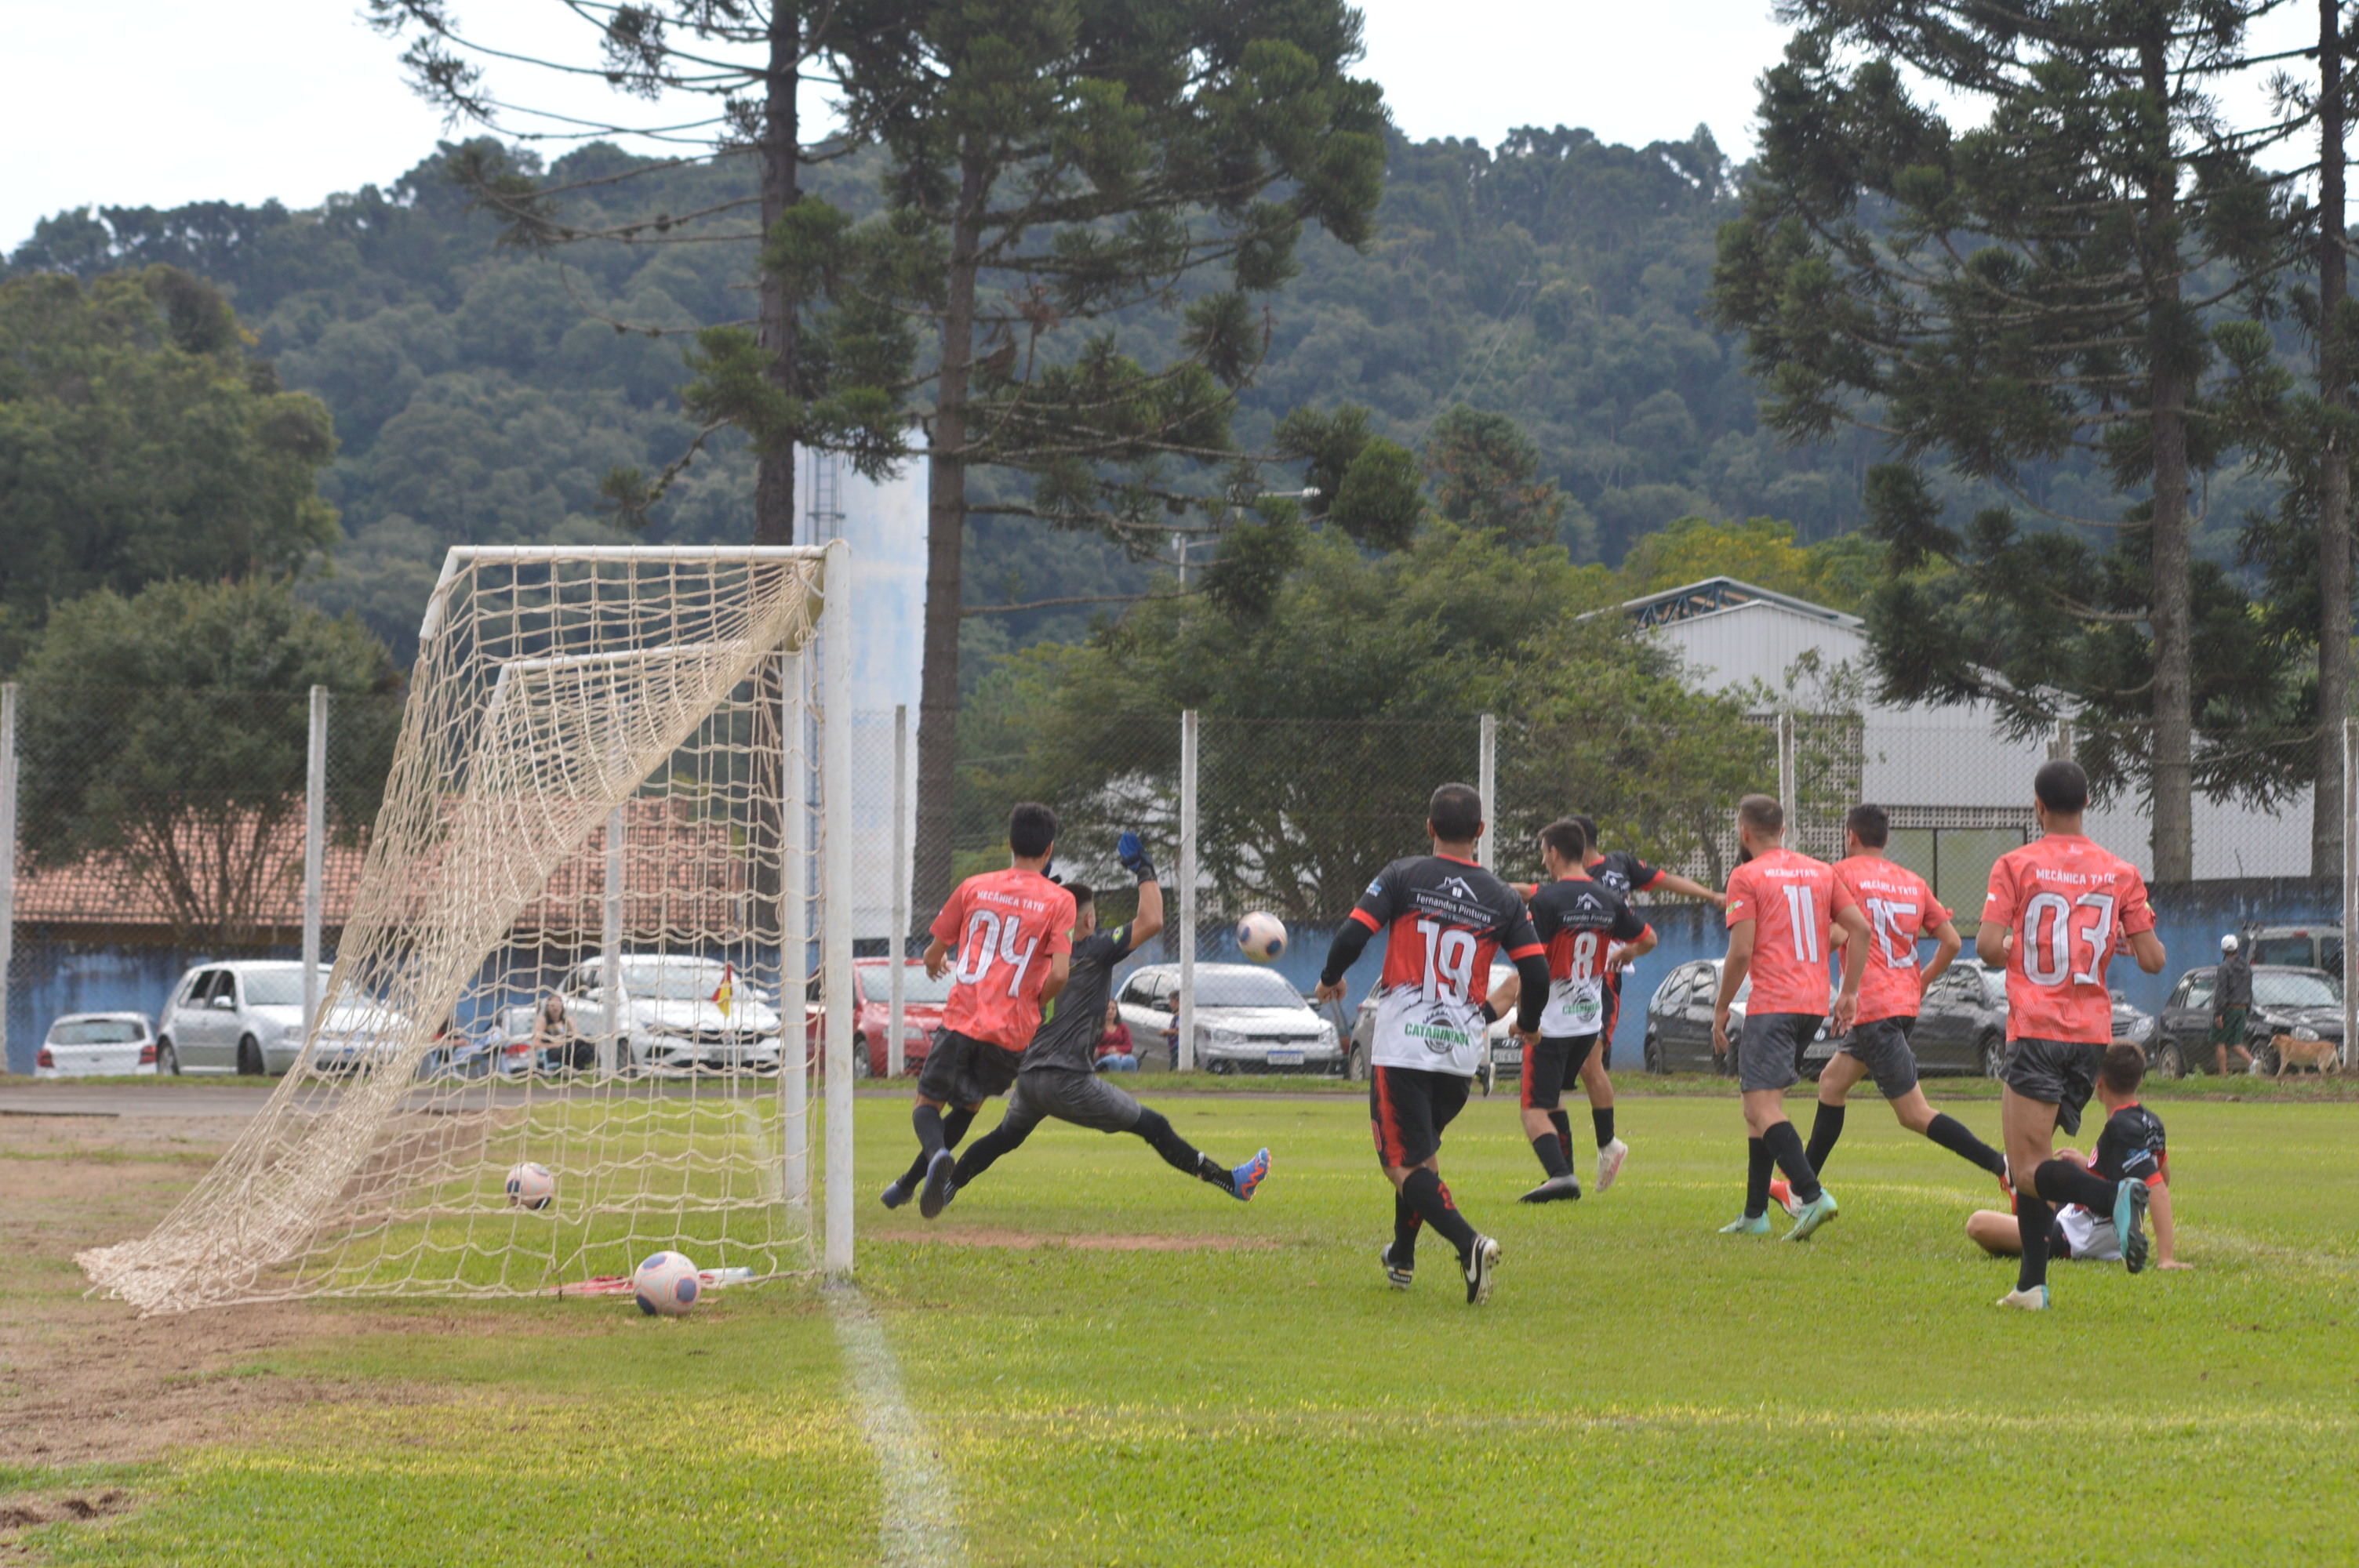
{"x": 1118, "y": 1366}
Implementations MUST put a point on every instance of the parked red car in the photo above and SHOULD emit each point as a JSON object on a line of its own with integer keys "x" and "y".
{"x": 921, "y": 1013}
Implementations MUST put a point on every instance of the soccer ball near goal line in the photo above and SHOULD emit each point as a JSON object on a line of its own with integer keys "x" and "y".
{"x": 667, "y": 1285}
{"x": 532, "y": 1186}
{"x": 1261, "y": 937}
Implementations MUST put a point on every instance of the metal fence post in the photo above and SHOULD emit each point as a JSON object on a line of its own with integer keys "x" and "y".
{"x": 835, "y": 890}
{"x": 7, "y": 853}
{"x": 1785, "y": 772}
{"x": 794, "y": 925}
{"x": 2350, "y": 890}
{"x": 894, "y": 1061}
{"x": 315, "y": 854}
{"x": 1486, "y": 853}
{"x": 611, "y": 1049}
{"x": 1183, "y": 1053}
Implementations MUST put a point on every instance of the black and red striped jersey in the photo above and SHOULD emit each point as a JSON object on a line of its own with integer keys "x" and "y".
{"x": 1624, "y": 871}
{"x": 1579, "y": 919}
{"x": 1443, "y": 920}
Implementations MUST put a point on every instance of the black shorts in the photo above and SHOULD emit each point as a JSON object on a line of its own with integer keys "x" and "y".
{"x": 1882, "y": 1047}
{"x": 962, "y": 1070}
{"x": 1613, "y": 1017}
{"x": 1408, "y": 1107}
{"x": 1769, "y": 1050}
{"x": 1550, "y": 1064}
{"x": 2062, "y": 1072}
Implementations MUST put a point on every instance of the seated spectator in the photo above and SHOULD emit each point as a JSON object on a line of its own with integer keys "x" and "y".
{"x": 556, "y": 1043}
{"x": 1114, "y": 1052}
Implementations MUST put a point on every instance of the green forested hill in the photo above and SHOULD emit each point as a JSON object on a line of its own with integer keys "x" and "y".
{"x": 479, "y": 393}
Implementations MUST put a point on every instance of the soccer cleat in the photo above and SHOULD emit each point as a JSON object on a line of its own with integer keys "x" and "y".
{"x": 1783, "y": 1191}
{"x": 936, "y": 1193}
{"x": 1399, "y": 1276}
{"x": 1556, "y": 1189}
{"x": 1747, "y": 1225}
{"x": 2032, "y": 1300}
{"x": 1812, "y": 1214}
{"x": 2130, "y": 1199}
{"x": 1246, "y": 1178}
{"x": 1609, "y": 1163}
{"x": 895, "y": 1195}
{"x": 1480, "y": 1264}
{"x": 2006, "y": 1179}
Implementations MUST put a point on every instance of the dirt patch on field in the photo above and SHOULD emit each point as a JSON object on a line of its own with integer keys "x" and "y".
{"x": 1024, "y": 1240}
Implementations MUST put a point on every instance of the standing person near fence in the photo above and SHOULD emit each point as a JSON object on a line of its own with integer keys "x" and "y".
{"x": 1625, "y": 873}
{"x": 2057, "y": 908}
{"x": 1011, "y": 935}
{"x": 1780, "y": 906}
{"x": 1590, "y": 934}
{"x": 2232, "y": 1003}
{"x": 1443, "y": 918}
{"x": 1901, "y": 912}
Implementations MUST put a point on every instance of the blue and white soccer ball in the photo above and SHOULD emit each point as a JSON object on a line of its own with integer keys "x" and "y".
{"x": 1261, "y": 937}
{"x": 532, "y": 1186}
{"x": 667, "y": 1285}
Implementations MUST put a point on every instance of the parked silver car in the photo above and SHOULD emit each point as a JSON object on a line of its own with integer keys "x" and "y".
{"x": 1507, "y": 1059}
{"x": 1248, "y": 1020}
{"x": 674, "y": 1013}
{"x": 100, "y": 1045}
{"x": 241, "y": 1017}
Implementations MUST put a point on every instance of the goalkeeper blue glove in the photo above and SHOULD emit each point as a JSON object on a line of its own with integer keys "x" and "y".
{"x": 1132, "y": 856}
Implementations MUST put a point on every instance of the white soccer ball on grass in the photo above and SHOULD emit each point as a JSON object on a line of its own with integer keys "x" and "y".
{"x": 532, "y": 1186}
{"x": 1261, "y": 937}
{"x": 667, "y": 1285}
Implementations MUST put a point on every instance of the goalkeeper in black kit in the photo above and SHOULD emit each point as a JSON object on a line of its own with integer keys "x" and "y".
{"x": 1443, "y": 918}
{"x": 1058, "y": 1076}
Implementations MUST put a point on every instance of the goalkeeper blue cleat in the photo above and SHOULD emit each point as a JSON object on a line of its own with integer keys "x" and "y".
{"x": 1245, "y": 1180}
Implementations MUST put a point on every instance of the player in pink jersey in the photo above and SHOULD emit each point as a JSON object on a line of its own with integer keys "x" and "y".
{"x": 2059, "y": 907}
{"x": 1901, "y": 912}
{"x": 1780, "y": 906}
{"x": 1009, "y": 938}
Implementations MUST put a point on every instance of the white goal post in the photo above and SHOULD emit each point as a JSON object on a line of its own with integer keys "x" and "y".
{"x": 612, "y": 863}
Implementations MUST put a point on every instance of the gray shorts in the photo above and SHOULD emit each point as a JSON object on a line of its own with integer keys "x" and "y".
{"x": 1882, "y": 1047}
{"x": 1082, "y": 1099}
{"x": 2062, "y": 1072}
{"x": 1769, "y": 1050}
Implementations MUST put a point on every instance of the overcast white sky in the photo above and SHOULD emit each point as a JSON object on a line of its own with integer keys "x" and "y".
{"x": 156, "y": 101}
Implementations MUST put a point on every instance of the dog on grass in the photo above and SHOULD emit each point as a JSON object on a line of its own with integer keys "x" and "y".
{"x": 2297, "y": 1053}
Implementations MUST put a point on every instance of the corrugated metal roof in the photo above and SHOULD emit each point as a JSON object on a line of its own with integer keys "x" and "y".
{"x": 1716, "y": 594}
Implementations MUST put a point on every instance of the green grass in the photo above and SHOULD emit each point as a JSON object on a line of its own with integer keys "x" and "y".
{"x": 1639, "y": 1389}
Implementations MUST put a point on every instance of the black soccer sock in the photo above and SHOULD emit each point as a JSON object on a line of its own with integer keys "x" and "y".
{"x": 928, "y": 1120}
{"x": 1784, "y": 1146}
{"x": 1757, "y": 1167}
{"x": 1953, "y": 1135}
{"x": 1601, "y": 1118}
{"x": 2060, "y": 1181}
{"x": 1562, "y": 1121}
{"x": 1176, "y": 1152}
{"x": 1825, "y": 1129}
{"x": 944, "y": 1129}
{"x": 1431, "y": 1197}
{"x": 955, "y": 1121}
{"x": 1550, "y": 1149}
{"x": 1407, "y": 1223}
{"x": 986, "y": 1148}
{"x": 2032, "y": 1219}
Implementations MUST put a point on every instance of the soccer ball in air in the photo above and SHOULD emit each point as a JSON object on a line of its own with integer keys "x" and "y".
{"x": 1262, "y": 937}
{"x": 667, "y": 1285}
{"x": 532, "y": 1186}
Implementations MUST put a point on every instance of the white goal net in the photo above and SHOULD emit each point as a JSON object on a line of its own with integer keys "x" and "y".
{"x": 590, "y": 940}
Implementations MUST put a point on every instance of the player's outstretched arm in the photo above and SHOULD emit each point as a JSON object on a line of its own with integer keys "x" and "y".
{"x": 2147, "y": 948}
{"x": 1148, "y": 923}
{"x": 1946, "y": 943}
{"x": 1731, "y": 980}
{"x": 2166, "y": 1234}
{"x": 1667, "y": 882}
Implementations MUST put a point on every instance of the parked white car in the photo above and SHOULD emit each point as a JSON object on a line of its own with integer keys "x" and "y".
{"x": 98, "y": 1044}
{"x": 241, "y": 1017}
{"x": 1248, "y": 1020}
{"x": 357, "y": 1032}
{"x": 673, "y": 1014}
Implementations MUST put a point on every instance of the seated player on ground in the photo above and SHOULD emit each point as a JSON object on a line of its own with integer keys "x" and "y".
{"x": 1902, "y": 910}
{"x": 2059, "y": 908}
{"x": 1443, "y": 916}
{"x": 1625, "y": 873}
{"x": 1589, "y": 932}
{"x": 1059, "y": 1078}
{"x": 1780, "y": 907}
{"x": 1010, "y": 936}
{"x": 2131, "y": 1147}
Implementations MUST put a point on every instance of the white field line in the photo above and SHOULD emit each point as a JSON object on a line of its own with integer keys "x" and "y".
{"x": 919, "y": 1525}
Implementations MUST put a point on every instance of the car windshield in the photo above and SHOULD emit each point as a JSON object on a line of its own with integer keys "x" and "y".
{"x": 691, "y": 979}
{"x": 917, "y": 991}
{"x": 2287, "y": 988}
{"x": 277, "y": 987}
{"x": 1246, "y": 988}
{"x": 2295, "y": 950}
{"x": 97, "y": 1032}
